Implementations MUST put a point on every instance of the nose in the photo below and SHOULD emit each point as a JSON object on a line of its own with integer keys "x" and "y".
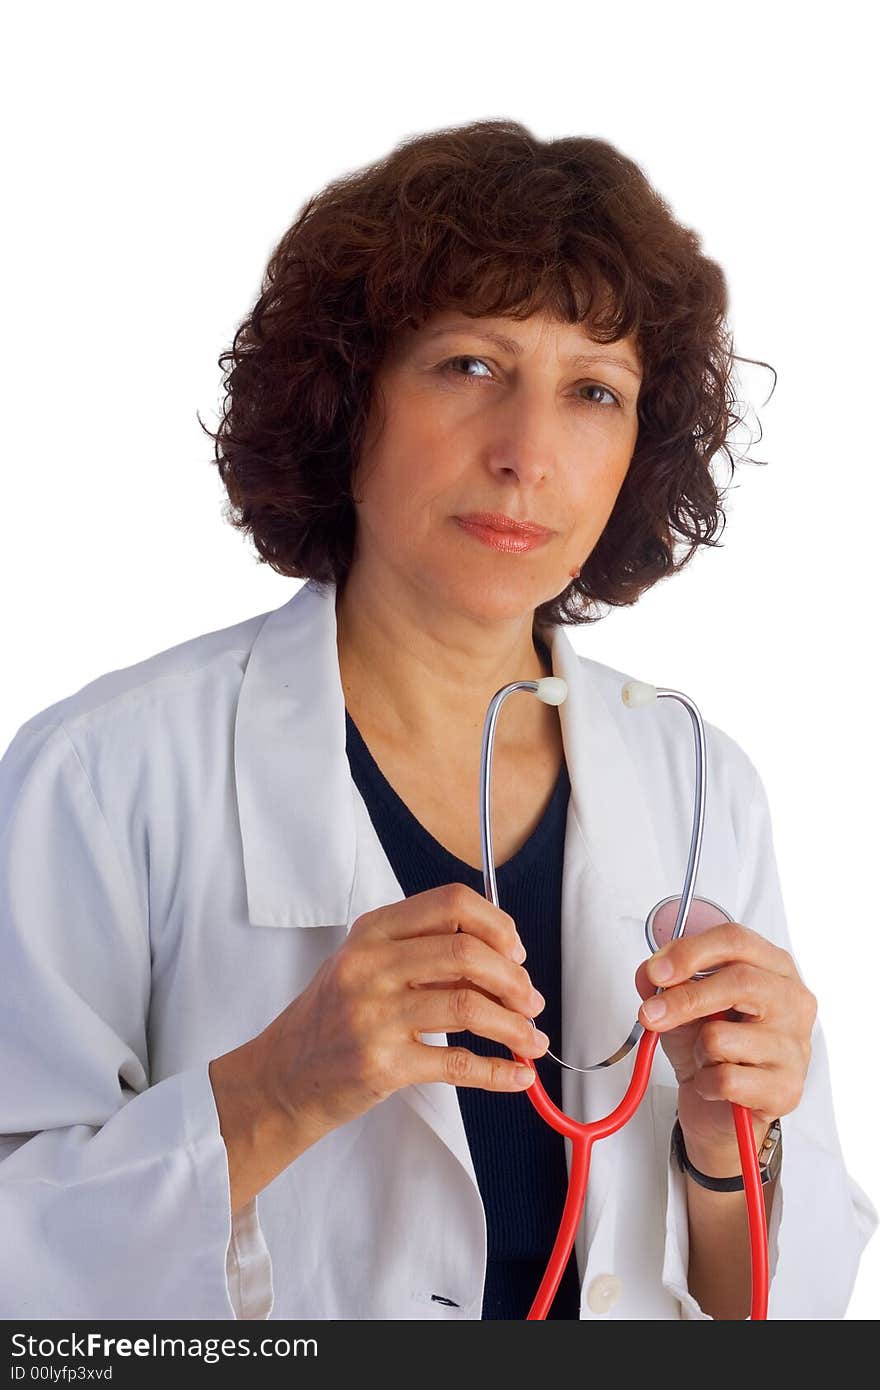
{"x": 525, "y": 433}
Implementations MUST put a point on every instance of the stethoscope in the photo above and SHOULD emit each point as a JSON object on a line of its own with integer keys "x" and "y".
{"x": 553, "y": 691}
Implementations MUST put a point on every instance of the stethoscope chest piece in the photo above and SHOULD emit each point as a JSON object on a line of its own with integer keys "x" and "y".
{"x": 703, "y": 914}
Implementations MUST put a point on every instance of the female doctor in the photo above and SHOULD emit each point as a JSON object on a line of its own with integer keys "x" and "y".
{"x": 258, "y": 1016}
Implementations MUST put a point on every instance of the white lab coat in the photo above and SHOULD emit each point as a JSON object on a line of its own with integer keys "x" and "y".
{"x": 181, "y": 846}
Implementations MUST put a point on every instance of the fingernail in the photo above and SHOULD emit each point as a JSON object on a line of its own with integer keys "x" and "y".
{"x": 524, "y": 1076}
{"x": 519, "y": 952}
{"x": 538, "y": 1001}
{"x": 661, "y": 968}
{"x": 654, "y": 1009}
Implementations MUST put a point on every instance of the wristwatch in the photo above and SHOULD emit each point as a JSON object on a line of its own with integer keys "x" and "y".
{"x": 769, "y": 1161}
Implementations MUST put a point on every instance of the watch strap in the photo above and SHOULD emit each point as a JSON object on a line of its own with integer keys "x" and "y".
{"x": 769, "y": 1160}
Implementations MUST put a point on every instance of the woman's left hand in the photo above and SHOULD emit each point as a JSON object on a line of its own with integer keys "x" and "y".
{"x": 755, "y": 1054}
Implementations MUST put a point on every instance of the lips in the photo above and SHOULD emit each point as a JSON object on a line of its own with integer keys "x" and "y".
{"x": 506, "y": 525}
{"x": 507, "y": 541}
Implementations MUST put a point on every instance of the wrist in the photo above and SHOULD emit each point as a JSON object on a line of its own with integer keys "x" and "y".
{"x": 719, "y": 1158}
{"x": 260, "y": 1136}
{"x": 705, "y": 1172}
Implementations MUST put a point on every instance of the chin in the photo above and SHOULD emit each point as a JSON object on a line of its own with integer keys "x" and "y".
{"x": 494, "y": 598}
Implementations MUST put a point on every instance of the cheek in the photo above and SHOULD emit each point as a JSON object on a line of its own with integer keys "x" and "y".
{"x": 599, "y": 485}
{"x": 396, "y": 502}
{"x": 593, "y": 504}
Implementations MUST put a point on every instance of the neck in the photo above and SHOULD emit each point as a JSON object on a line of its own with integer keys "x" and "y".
{"x": 417, "y": 674}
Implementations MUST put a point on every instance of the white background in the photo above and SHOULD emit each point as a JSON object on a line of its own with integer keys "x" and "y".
{"x": 155, "y": 154}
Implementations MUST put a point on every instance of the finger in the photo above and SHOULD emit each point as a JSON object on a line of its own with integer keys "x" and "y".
{"x": 459, "y": 983}
{"x": 744, "y": 1044}
{"x": 755, "y": 1045}
{"x": 645, "y": 986}
{"x": 715, "y": 947}
{"x": 460, "y": 1010}
{"x": 766, "y": 1091}
{"x": 451, "y": 908}
{"x": 427, "y": 961}
{"x": 752, "y": 991}
{"x": 454, "y": 984}
{"x": 459, "y": 1067}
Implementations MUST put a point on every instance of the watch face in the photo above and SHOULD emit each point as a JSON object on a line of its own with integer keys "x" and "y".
{"x": 770, "y": 1156}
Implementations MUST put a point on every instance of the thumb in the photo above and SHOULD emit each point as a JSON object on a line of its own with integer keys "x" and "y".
{"x": 644, "y": 986}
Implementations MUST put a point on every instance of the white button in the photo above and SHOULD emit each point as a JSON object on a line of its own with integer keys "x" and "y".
{"x": 604, "y": 1292}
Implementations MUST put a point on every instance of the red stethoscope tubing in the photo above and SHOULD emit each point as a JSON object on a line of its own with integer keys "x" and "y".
{"x": 583, "y": 1137}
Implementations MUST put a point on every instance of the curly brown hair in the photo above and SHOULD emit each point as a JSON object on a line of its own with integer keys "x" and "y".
{"x": 486, "y": 218}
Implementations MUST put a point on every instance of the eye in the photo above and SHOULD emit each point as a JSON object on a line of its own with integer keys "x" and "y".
{"x": 594, "y": 386}
{"x": 450, "y": 366}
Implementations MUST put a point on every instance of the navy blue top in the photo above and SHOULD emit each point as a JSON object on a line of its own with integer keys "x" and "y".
{"x": 518, "y": 1159}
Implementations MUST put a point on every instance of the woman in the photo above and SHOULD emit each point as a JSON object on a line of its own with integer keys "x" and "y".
{"x": 212, "y": 1117}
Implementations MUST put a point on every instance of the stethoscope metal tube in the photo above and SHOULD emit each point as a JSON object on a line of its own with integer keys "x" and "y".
{"x": 553, "y": 690}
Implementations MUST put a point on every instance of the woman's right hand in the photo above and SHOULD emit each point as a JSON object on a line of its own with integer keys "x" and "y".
{"x": 438, "y": 962}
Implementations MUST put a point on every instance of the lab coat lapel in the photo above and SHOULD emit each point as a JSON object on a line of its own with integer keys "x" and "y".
{"x": 293, "y": 782}
{"x": 312, "y": 857}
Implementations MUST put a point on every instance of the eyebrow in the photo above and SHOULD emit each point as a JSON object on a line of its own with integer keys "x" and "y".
{"x": 515, "y": 349}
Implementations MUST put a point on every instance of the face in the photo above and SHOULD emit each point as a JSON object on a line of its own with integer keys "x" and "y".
{"x": 473, "y": 425}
